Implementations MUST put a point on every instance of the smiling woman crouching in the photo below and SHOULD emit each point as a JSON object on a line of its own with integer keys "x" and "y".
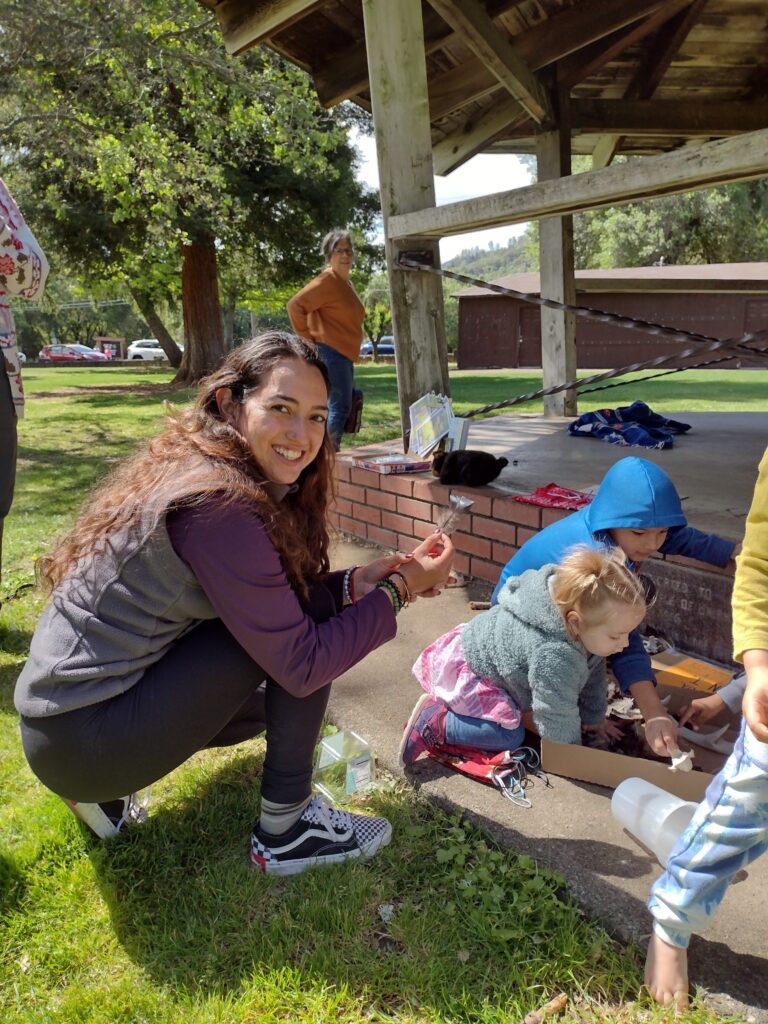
{"x": 192, "y": 605}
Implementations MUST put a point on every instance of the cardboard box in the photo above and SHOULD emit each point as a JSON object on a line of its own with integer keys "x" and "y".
{"x": 604, "y": 768}
{"x": 675, "y": 669}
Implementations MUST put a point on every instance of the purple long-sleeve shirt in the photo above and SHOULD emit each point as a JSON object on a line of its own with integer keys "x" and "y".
{"x": 230, "y": 553}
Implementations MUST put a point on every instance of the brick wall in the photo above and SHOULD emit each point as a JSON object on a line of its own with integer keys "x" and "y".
{"x": 396, "y": 511}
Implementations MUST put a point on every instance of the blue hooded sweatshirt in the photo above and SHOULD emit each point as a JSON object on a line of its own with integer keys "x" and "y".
{"x": 637, "y": 495}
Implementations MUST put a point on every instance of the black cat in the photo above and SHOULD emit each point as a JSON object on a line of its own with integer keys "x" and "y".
{"x": 470, "y": 468}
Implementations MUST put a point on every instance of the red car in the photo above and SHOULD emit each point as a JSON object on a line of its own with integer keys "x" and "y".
{"x": 70, "y": 354}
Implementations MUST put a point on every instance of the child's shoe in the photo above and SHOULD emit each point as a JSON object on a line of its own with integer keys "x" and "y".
{"x": 322, "y": 835}
{"x": 108, "y": 818}
{"x": 424, "y": 729}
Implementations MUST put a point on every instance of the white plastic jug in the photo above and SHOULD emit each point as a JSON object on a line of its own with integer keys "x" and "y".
{"x": 654, "y": 816}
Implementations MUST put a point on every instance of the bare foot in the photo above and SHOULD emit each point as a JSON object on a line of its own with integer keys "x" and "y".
{"x": 666, "y": 973}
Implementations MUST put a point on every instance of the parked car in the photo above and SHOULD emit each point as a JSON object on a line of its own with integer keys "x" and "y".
{"x": 386, "y": 347}
{"x": 71, "y": 354}
{"x": 146, "y": 348}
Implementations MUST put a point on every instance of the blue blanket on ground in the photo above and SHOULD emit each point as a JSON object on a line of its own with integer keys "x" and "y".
{"x": 635, "y": 425}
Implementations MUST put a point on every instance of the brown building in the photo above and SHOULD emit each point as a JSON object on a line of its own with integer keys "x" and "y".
{"x": 719, "y": 300}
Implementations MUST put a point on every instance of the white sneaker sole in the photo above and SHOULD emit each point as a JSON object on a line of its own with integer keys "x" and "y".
{"x": 295, "y": 867}
{"x": 419, "y": 706}
{"x": 93, "y": 816}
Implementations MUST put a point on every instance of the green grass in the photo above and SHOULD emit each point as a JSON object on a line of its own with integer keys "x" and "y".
{"x": 167, "y": 925}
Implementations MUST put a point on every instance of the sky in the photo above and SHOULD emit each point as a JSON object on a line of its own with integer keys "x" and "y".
{"x": 477, "y": 177}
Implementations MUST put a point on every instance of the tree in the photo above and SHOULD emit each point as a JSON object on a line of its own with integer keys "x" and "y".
{"x": 720, "y": 225}
{"x": 728, "y": 224}
{"x": 144, "y": 155}
{"x": 378, "y": 314}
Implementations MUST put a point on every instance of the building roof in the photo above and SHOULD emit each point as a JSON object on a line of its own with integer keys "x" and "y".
{"x": 644, "y": 76}
{"x": 702, "y": 277}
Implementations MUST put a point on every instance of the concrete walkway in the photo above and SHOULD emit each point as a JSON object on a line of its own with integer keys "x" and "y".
{"x": 569, "y": 828}
{"x": 714, "y": 466}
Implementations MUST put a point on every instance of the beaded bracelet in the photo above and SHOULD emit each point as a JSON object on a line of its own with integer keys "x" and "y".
{"x": 348, "y": 585}
{"x": 407, "y": 600}
{"x": 394, "y": 593}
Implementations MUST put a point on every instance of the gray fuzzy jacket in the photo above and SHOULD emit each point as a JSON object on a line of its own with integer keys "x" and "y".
{"x": 523, "y": 646}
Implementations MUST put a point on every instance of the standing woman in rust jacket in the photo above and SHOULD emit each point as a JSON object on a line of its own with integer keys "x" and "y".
{"x": 328, "y": 311}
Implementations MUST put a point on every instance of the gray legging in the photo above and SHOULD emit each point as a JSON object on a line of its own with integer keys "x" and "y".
{"x": 7, "y": 451}
{"x": 205, "y": 692}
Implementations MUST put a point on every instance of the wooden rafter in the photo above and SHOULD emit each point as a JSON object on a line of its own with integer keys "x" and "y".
{"x": 553, "y": 40}
{"x": 453, "y": 151}
{"x": 579, "y": 25}
{"x": 346, "y": 73}
{"x": 692, "y": 167}
{"x": 650, "y": 73}
{"x": 471, "y": 80}
{"x": 494, "y": 49}
{"x": 244, "y": 23}
{"x": 675, "y": 118}
{"x": 590, "y": 59}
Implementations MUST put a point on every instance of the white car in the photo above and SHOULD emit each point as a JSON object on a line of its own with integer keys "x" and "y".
{"x": 146, "y": 348}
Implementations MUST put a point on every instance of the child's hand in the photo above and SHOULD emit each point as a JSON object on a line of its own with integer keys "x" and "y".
{"x": 661, "y": 735}
{"x": 702, "y": 710}
{"x": 606, "y": 730}
{"x": 755, "y": 704}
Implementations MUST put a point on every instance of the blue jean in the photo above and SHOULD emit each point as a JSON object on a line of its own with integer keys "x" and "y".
{"x": 342, "y": 373}
{"x": 462, "y": 731}
{"x": 727, "y": 832}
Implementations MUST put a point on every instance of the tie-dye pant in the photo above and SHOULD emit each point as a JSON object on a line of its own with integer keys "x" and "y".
{"x": 728, "y": 831}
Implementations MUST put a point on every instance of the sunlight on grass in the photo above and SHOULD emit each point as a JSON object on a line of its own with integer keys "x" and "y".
{"x": 167, "y": 924}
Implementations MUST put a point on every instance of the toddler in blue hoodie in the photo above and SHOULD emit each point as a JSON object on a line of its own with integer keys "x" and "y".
{"x": 637, "y": 509}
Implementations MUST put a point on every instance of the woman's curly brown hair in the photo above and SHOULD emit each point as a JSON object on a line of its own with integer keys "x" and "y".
{"x": 199, "y": 454}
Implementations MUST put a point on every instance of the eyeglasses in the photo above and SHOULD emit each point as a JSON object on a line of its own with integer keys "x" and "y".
{"x": 344, "y": 252}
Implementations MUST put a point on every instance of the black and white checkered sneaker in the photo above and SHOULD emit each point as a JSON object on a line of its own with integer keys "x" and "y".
{"x": 322, "y": 835}
{"x": 107, "y": 819}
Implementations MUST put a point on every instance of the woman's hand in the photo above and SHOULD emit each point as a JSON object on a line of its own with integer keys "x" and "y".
{"x": 429, "y": 567}
{"x": 367, "y": 576}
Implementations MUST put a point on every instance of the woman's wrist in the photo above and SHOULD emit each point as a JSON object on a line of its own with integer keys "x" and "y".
{"x": 395, "y": 590}
{"x": 348, "y": 586}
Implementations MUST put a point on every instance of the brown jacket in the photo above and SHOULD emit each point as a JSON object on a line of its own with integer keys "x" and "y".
{"x": 329, "y": 310}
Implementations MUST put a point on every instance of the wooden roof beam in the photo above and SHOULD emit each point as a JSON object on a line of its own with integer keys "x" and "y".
{"x": 650, "y": 73}
{"x": 454, "y": 150}
{"x": 346, "y": 72}
{"x": 244, "y": 23}
{"x": 589, "y": 59}
{"x": 473, "y": 81}
{"x": 495, "y": 50}
{"x": 667, "y": 117}
{"x": 578, "y": 26}
{"x": 692, "y": 167}
{"x": 558, "y": 36}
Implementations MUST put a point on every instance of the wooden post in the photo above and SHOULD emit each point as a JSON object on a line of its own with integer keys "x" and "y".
{"x": 394, "y": 35}
{"x": 558, "y": 330}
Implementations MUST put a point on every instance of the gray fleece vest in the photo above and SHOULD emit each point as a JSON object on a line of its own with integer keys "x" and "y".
{"x": 113, "y": 617}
